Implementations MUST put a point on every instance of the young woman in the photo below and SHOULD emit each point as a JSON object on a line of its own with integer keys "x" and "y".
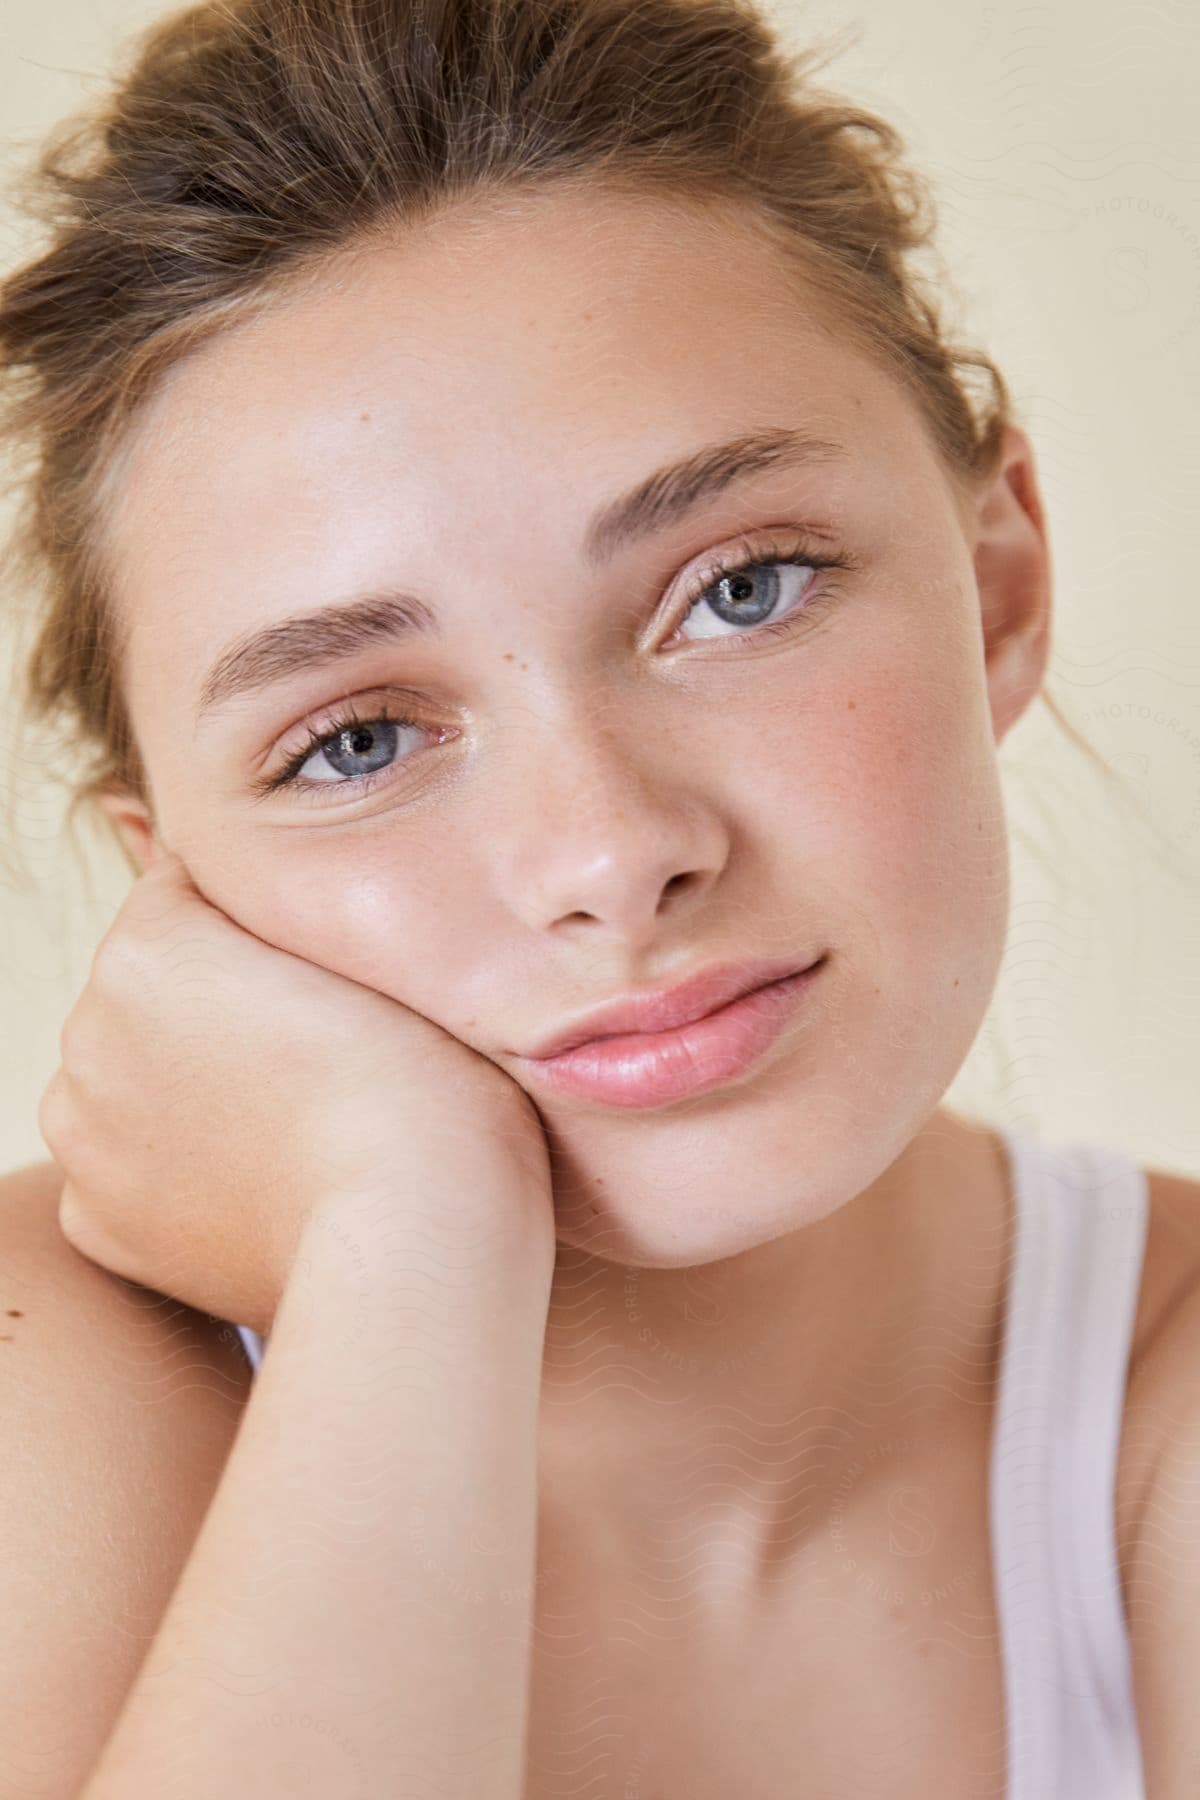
{"x": 530, "y": 571}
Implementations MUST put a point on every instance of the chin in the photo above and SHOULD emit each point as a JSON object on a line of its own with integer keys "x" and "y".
{"x": 659, "y": 1217}
{"x": 794, "y": 1142}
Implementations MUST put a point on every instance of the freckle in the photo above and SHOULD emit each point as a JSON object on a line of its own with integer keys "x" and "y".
{"x": 524, "y": 665}
{"x": 14, "y": 1314}
{"x": 851, "y": 705}
{"x": 364, "y": 417}
{"x": 6, "y": 1337}
{"x": 507, "y": 657}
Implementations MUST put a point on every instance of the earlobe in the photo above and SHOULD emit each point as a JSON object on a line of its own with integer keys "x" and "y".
{"x": 1013, "y": 577}
{"x": 134, "y": 827}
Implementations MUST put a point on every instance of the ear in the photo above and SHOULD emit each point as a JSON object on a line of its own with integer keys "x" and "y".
{"x": 1013, "y": 575}
{"x": 134, "y": 825}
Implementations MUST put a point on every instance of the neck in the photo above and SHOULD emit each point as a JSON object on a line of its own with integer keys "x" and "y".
{"x": 637, "y": 1358}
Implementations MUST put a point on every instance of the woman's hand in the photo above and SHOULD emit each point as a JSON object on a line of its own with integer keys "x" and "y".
{"x": 214, "y": 1091}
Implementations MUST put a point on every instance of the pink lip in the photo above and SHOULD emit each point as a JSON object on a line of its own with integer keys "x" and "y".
{"x": 650, "y": 1068}
{"x": 665, "y": 1008}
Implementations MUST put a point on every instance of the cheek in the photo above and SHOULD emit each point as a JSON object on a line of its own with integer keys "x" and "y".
{"x": 926, "y": 841}
{"x": 376, "y": 924}
{"x": 883, "y": 795}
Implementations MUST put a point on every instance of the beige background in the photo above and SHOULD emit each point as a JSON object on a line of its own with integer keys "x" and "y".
{"x": 1063, "y": 143}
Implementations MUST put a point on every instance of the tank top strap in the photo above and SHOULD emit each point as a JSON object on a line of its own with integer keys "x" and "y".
{"x": 253, "y": 1346}
{"x": 1080, "y": 1224}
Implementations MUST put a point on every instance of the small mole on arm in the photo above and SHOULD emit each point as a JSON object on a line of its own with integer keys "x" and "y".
{"x": 14, "y": 1314}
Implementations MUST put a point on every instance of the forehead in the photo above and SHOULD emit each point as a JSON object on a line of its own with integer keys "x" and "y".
{"x": 498, "y": 368}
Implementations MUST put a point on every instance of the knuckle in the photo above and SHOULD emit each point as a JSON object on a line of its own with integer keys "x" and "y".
{"x": 85, "y": 1051}
{"x": 71, "y": 1039}
{"x": 116, "y": 958}
{"x": 72, "y": 1217}
{"x": 55, "y": 1112}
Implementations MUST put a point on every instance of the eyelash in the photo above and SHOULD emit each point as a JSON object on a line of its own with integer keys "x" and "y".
{"x": 795, "y": 552}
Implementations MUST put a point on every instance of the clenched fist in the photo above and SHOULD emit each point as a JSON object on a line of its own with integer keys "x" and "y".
{"x": 214, "y": 1091}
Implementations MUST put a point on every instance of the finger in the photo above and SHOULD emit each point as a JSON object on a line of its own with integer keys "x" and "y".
{"x": 169, "y": 882}
{"x": 72, "y": 1216}
{"x": 168, "y": 866}
{"x": 169, "y": 873}
{"x": 81, "y": 1229}
{"x": 163, "y": 895}
{"x": 53, "y": 1113}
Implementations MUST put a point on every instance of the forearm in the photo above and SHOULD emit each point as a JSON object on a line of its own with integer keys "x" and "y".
{"x": 355, "y": 1616}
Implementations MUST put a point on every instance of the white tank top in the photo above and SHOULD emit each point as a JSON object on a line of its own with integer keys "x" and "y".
{"x": 1080, "y": 1224}
{"x": 1080, "y": 1238}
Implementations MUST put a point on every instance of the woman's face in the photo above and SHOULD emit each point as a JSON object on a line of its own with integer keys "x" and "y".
{"x": 602, "y": 790}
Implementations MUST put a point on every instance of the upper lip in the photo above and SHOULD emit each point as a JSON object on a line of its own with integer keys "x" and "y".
{"x": 661, "y": 1009}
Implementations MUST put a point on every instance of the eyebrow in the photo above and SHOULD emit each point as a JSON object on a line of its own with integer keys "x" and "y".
{"x": 343, "y": 629}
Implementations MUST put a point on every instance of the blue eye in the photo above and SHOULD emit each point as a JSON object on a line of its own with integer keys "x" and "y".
{"x": 358, "y": 750}
{"x": 745, "y": 594}
{"x": 347, "y": 742}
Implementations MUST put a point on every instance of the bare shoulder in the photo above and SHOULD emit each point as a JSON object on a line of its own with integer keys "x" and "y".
{"x": 68, "y": 1297}
{"x": 1166, "y": 1333}
{"x": 1158, "y": 1501}
{"x": 1170, "y": 1290}
{"x": 119, "y": 1408}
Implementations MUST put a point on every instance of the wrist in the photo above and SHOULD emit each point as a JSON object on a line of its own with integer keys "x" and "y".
{"x": 371, "y": 1280}
{"x": 501, "y": 1235}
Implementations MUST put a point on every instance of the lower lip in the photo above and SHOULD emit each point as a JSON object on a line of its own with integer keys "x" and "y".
{"x": 652, "y": 1068}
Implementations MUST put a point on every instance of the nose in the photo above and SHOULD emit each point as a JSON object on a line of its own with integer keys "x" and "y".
{"x": 608, "y": 833}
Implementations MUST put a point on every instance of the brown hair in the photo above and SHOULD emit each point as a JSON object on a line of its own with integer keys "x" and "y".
{"x": 249, "y": 142}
